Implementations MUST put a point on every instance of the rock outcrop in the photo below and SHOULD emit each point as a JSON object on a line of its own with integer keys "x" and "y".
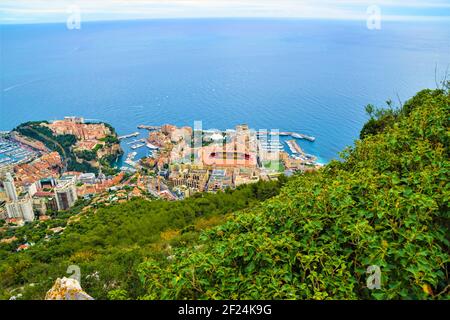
{"x": 67, "y": 289}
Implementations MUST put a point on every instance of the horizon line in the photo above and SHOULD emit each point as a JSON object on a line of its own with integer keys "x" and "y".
{"x": 412, "y": 18}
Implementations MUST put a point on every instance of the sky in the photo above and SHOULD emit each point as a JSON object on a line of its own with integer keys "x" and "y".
{"x": 43, "y": 11}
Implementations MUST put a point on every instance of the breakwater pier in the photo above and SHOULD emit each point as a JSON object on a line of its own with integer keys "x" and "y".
{"x": 127, "y": 136}
{"x": 149, "y": 128}
{"x": 295, "y": 148}
{"x": 295, "y": 135}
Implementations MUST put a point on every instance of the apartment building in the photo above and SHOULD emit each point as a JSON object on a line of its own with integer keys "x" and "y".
{"x": 66, "y": 192}
{"x": 20, "y": 209}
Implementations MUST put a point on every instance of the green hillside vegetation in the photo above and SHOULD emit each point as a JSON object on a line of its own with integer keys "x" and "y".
{"x": 385, "y": 204}
{"x": 108, "y": 245}
{"x": 87, "y": 155}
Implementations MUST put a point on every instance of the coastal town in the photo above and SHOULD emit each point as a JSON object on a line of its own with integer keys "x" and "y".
{"x": 41, "y": 176}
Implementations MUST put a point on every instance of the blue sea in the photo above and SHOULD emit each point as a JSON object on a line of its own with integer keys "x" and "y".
{"x": 307, "y": 76}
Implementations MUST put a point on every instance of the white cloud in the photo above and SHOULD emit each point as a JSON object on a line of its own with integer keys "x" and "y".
{"x": 55, "y": 10}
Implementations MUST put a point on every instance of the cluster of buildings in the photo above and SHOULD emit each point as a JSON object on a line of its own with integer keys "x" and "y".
{"x": 34, "y": 189}
{"x": 76, "y": 126}
{"x": 183, "y": 161}
{"x": 89, "y": 184}
{"x": 17, "y": 207}
{"x": 40, "y": 185}
{"x": 90, "y": 136}
{"x": 195, "y": 160}
{"x": 48, "y": 165}
{"x": 23, "y": 203}
{"x": 187, "y": 179}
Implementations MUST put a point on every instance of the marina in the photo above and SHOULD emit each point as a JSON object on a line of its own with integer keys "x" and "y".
{"x": 12, "y": 153}
{"x": 267, "y": 142}
{"x": 5, "y": 160}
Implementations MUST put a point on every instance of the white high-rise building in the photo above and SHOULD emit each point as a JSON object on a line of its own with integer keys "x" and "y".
{"x": 10, "y": 187}
{"x": 31, "y": 189}
{"x": 20, "y": 209}
{"x": 66, "y": 193}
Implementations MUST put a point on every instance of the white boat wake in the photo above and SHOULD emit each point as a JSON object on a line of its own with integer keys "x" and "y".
{"x": 20, "y": 85}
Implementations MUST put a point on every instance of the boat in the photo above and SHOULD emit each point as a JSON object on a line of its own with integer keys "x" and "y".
{"x": 137, "y": 146}
{"x": 136, "y": 141}
{"x": 131, "y": 155}
{"x": 152, "y": 146}
{"x": 5, "y": 160}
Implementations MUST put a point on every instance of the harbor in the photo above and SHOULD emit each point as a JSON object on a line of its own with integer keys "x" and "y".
{"x": 12, "y": 153}
{"x": 138, "y": 145}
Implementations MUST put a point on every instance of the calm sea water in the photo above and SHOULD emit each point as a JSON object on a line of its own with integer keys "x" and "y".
{"x": 313, "y": 77}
